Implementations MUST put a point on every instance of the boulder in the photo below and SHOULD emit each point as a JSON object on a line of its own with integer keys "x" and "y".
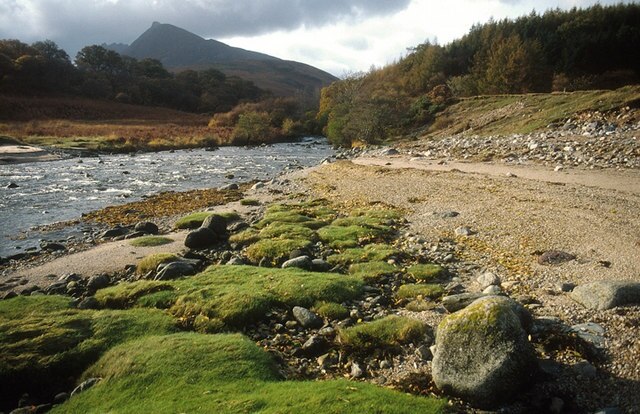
{"x": 200, "y": 238}
{"x": 482, "y": 352}
{"x": 215, "y": 223}
{"x": 174, "y": 270}
{"x": 52, "y": 247}
{"x": 301, "y": 262}
{"x": 606, "y": 295}
{"x": 319, "y": 265}
{"x": 306, "y": 318}
{"x": 114, "y": 232}
{"x": 98, "y": 282}
{"x": 488, "y": 279}
{"x": 146, "y": 227}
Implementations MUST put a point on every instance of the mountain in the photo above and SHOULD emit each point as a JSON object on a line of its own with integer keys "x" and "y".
{"x": 179, "y": 50}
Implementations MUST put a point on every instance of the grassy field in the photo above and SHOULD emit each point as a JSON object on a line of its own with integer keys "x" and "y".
{"x": 104, "y": 126}
{"x": 522, "y": 114}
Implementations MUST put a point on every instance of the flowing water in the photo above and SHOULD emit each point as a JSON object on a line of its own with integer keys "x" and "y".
{"x": 55, "y": 191}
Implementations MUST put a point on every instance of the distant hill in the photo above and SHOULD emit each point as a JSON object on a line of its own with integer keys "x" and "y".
{"x": 179, "y": 50}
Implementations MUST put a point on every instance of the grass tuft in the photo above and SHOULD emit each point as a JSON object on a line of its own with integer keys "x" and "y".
{"x": 151, "y": 262}
{"x": 50, "y": 342}
{"x": 234, "y": 296}
{"x": 368, "y": 253}
{"x": 150, "y": 241}
{"x": 426, "y": 272}
{"x": 386, "y": 333}
{"x": 371, "y": 271}
{"x": 224, "y": 373}
{"x": 419, "y": 290}
{"x": 275, "y": 250}
{"x": 249, "y": 202}
{"x": 331, "y": 310}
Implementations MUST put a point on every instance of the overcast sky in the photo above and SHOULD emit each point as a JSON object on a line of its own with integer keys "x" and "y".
{"x": 339, "y": 36}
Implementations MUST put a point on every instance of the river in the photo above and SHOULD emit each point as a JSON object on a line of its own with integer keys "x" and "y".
{"x": 55, "y": 191}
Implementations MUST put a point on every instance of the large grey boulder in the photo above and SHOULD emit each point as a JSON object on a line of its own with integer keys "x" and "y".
{"x": 482, "y": 352}
{"x": 301, "y": 262}
{"x": 146, "y": 227}
{"x": 606, "y": 295}
{"x": 306, "y": 318}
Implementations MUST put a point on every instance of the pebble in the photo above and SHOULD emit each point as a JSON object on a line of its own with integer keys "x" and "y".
{"x": 356, "y": 371}
{"x": 488, "y": 279}
{"x": 464, "y": 231}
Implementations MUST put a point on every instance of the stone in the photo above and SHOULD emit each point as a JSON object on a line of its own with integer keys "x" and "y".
{"x": 12, "y": 185}
{"x": 319, "y": 265}
{"x": 89, "y": 303}
{"x": 606, "y": 295}
{"x": 314, "y": 346}
{"x": 98, "y": 282}
{"x": 229, "y": 187}
{"x": 146, "y": 227}
{"x": 389, "y": 151}
{"x": 134, "y": 235}
{"x": 306, "y": 318}
{"x": 235, "y": 261}
{"x": 327, "y": 360}
{"x": 356, "y": 371}
{"x": 492, "y": 290}
{"x": 558, "y": 168}
{"x": 565, "y": 287}
{"x": 237, "y": 226}
{"x": 174, "y": 270}
{"x": 424, "y": 353}
{"x": 483, "y": 354}
{"x": 60, "y": 398}
{"x": 258, "y": 186}
{"x": 584, "y": 369}
{"x": 302, "y": 262}
{"x": 10, "y": 294}
{"x": 453, "y": 303}
{"x": 85, "y": 385}
{"x": 488, "y": 279}
{"x": 52, "y": 247}
{"x": 215, "y": 223}
{"x": 590, "y": 332}
{"x": 448, "y": 214}
{"x": 464, "y": 231}
{"x": 554, "y": 257}
{"x": 114, "y": 232}
{"x": 200, "y": 238}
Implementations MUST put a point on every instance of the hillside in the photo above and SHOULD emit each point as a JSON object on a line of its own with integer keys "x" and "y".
{"x": 180, "y": 50}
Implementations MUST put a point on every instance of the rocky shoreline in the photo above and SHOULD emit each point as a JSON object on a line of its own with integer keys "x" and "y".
{"x": 578, "y": 350}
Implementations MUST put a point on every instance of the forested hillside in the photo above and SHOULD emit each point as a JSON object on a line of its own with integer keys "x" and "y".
{"x": 44, "y": 69}
{"x": 579, "y": 49}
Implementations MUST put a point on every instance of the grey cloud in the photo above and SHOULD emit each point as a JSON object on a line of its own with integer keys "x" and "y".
{"x": 76, "y": 23}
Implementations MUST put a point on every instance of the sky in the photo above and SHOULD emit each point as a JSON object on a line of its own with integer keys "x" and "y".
{"x": 339, "y": 36}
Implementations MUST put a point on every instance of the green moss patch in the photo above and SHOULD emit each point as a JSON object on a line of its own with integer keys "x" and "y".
{"x": 224, "y": 374}
{"x": 426, "y": 272}
{"x": 150, "y": 241}
{"x": 50, "y": 343}
{"x": 245, "y": 237}
{"x": 384, "y": 333}
{"x": 151, "y": 262}
{"x": 249, "y": 202}
{"x": 195, "y": 220}
{"x": 370, "y": 271}
{"x": 369, "y": 253}
{"x": 331, "y": 310}
{"x": 419, "y": 290}
{"x": 287, "y": 231}
{"x": 235, "y": 295}
{"x": 275, "y": 250}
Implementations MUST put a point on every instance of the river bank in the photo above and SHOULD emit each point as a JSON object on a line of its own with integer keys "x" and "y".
{"x": 512, "y": 220}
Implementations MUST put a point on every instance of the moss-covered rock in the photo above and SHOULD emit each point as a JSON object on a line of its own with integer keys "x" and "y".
{"x": 276, "y": 250}
{"x": 498, "y": 359}
{"x": 368, "y": 253}
{"x": 223, "y": 374}
{"x": 415, "y": 290}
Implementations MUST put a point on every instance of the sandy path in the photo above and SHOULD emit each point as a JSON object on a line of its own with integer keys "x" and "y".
{"x": 104, "y": 258}
{"x": 608, "y": 179}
